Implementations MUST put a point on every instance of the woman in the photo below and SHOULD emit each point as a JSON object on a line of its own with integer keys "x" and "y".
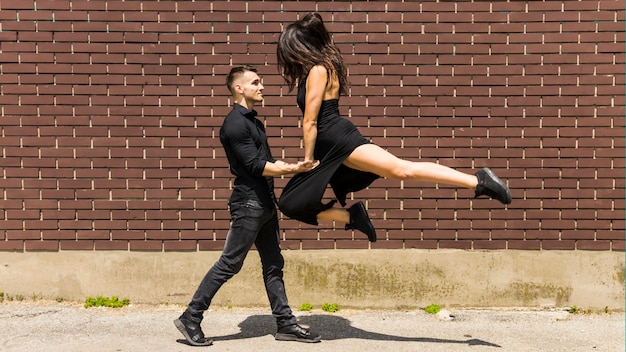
{"x": 308, "y": 58}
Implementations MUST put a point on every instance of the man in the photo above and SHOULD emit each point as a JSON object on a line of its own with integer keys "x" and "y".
{"x": 253, "y": 211}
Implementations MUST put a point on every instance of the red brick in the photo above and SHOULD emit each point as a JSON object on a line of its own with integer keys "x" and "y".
{"x": 421, "y": 244}
{"x": 489, "y": 245}
{"x": 41, "y": 246}
{"x": 610, "y": 234}
{"x": 179, "y": 245}
{"x": 76, "y": 245}
{"x": 455, "y": 244}
{"x": 558, "y": 245}
{"x": 351, "y": 244}
{"x": 12, "y": 246}
{"x": 323, "y": 244}
{"x": 524, "y": 245}
{"x": 211, "y": 245}
{"x": 593, "y": 245}
{"x": 150, "y": 246}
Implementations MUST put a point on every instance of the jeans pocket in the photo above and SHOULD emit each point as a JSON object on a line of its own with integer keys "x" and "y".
{"x": 253, "y": 204}
{"x": 248, "y": 208}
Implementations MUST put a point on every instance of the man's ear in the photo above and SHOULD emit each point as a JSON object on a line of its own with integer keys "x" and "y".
{"x": 238, "y": 88}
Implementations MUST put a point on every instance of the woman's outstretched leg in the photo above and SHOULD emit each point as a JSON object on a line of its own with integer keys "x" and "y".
{"x": 372, "y": 158}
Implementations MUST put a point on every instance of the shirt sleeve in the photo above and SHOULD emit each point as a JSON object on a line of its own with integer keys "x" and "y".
{"x": 245, "y": 149}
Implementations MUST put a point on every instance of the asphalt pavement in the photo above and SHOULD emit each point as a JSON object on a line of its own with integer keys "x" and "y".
{"x": 55, "y": 327}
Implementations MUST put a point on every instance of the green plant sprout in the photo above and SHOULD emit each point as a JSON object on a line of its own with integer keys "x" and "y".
{"x": 101, "y": 301}
{"x": 305, "y": 307}
{"x": 432, "y": 309}
{"x": 330, "y": 307}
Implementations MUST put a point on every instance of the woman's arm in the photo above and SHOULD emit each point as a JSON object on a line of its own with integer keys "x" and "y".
{"x": 315, "y": 91}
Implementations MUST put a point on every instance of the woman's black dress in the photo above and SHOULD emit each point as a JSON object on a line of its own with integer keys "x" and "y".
{"x": 337, "y": 137}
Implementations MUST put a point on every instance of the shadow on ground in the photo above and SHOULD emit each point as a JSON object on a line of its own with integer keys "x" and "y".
{"x": 331, "y": 328}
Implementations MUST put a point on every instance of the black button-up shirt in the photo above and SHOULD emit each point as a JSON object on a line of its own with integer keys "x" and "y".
{"x": 245, "y": 142}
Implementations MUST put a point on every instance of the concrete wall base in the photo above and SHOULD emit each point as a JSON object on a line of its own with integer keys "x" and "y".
{"x": 379, "y": 279}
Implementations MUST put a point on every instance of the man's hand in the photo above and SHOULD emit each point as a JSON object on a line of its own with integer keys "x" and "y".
{"x": 307, "y": 165}
{"x": 280, "y": 167}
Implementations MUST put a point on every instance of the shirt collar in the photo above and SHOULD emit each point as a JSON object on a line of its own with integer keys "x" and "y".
{"x": 244, "y": 111}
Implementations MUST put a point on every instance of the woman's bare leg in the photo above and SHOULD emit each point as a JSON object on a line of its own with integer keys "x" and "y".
{"x": 335, "y": 214}
{"x": 372, "y": 158}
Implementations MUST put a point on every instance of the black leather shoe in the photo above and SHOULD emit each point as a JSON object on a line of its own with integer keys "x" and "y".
{"x": 192, "y": 331}
{"x": 296, "y": 332}
{"x": 359, "y": 220}
{"x": 489, "y": 184}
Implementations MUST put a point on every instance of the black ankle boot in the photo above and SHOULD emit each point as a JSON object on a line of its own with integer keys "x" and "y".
{"x": 360, "y": 220}
{"x": 490, "y": 185}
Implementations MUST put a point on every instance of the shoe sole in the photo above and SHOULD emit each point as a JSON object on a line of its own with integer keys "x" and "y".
{"x": 181, "y": 327}
{"x": 502, "y": 184}
{"x": 289, "y": 337}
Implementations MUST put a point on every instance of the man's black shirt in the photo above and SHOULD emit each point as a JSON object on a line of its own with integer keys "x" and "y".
{"x": 245, "y": 142}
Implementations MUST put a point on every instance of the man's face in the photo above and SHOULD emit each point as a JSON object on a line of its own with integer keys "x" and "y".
{"x": 250, "y": 87}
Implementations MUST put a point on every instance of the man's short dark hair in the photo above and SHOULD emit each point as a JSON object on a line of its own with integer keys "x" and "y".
{"x": 236, "y": 72}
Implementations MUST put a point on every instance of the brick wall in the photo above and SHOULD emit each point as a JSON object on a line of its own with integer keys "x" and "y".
{"x": 110, "y": 110}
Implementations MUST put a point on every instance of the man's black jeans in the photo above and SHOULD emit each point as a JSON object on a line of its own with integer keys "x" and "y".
{"x": 251, "y": 222}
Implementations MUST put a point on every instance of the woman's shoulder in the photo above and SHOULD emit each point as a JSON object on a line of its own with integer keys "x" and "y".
{"x": 318, "y": 75}
{"x": 318, "y": 69}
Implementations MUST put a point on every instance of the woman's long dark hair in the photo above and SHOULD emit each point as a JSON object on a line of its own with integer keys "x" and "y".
{"x": 307, "y": 43}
